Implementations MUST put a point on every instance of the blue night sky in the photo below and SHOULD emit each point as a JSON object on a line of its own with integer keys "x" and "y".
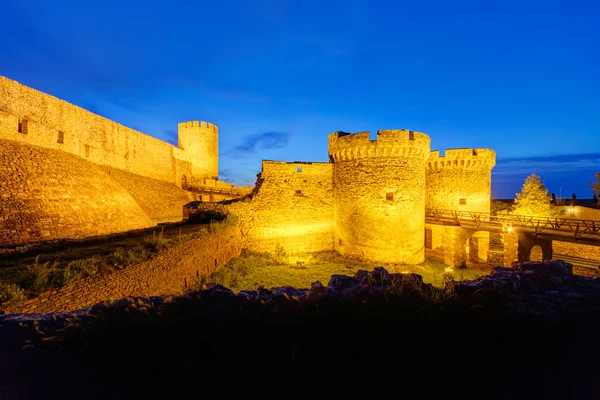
{"x": 521, "y": 77}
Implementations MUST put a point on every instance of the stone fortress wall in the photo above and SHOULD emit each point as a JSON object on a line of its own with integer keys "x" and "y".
{"x": 460, "y": 180}
{"x": 291, "y": 208}
{"x": 33, "y": 117}
{"x": 69, "y": 173}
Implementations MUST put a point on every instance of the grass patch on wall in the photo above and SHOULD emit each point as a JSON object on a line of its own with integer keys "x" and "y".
{"x": 251, "y": 270}
{"x": 27, "y": 277}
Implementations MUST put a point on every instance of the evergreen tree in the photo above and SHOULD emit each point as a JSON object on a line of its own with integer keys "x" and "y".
{"x": 534, "y": 199}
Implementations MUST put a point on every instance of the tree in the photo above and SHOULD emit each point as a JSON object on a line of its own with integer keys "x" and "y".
{"x": 596, "y": 187}
{"x": 534, "y": 199}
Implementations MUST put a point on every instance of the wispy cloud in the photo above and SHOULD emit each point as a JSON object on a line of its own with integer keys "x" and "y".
{"x": 548, "y": 164}
{"x": 261, "y": 141}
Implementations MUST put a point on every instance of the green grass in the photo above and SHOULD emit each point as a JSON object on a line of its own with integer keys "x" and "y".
{"x": 31, "y": 273}
{"x": 251, "y": 270}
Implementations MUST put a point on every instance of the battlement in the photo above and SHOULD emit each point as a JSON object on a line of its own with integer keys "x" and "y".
{"x": 465, "y": 158}
{"x": 299, "y": 168}
{"x": 198, "y": 124}
{"x": 389, "y": 143}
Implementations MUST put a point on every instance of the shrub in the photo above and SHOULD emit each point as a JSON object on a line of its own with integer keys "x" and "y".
{"x": 157, "y": 242}
{"x": 10, "y": 292}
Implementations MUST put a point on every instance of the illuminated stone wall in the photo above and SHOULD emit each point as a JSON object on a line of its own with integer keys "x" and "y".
{"x": 581, "y": 250}
{"x": 292, "y": 208}
{"x": 379, "y": 194}
{"x": 30, "y": 116}
{"x": 48, "y": 194}
{"x": 460, "y": 180}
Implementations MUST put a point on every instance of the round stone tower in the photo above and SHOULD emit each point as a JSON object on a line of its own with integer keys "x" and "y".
{"x": 379, "y": 194}
{"x": 200, "y": 141}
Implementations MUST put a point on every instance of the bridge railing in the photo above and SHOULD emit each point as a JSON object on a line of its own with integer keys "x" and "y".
{"x": 577, "y": 227}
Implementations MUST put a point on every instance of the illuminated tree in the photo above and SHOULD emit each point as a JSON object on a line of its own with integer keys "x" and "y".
{"x": 596, "y": 187}
{"x": 534, "y": 199}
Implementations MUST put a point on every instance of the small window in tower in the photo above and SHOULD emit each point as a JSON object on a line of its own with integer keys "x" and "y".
{"x": 340, "y": 242}
{"x": 22, "y": 126}
{"x": 298, "y": 193}
{"x": 462, "y": 201}
{"x": 389, "y": 196}
{"x": 298, "y": 169}
{"x": 61, "y": 137}
{"x": 87, "y": 150}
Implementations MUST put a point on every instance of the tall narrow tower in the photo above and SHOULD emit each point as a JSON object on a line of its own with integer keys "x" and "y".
{"x": 200, "y": 140}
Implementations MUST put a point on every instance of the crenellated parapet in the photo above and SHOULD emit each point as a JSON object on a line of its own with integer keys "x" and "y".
{"x": 198, "y": 124}
{"x": 403, "y": 143}
{"x": 467, "y": 159}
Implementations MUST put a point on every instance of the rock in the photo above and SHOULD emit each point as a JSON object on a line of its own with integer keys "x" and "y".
{"x": 553, "y": 267}
{"x": 466, "y": 287}
{"x": 342, "y": 282}
{"x": 362, "y": 276}
{"x": 216, "y": 289}
{"x": 250, "y": 294}
{"x": 379, "y": 277}
{"x": 289, "y": 291}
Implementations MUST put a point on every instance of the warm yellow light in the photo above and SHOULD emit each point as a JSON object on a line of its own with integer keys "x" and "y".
{"x": 449, "y": 270}
{"x": 510, "y": 229}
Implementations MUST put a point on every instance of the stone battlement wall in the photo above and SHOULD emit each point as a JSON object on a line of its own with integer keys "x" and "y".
{"x": 389, "y": 143}
{"x": 198, "y": 124}
{"x": 291, "y": 208}
{"x": 30, "y": 116}
{"x": 170, "y": 271}
{"x": 461, "y": 179}
{"x": 469, "y": 159}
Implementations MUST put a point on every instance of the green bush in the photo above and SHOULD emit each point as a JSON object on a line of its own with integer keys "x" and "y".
{"x": 10, "y": 292}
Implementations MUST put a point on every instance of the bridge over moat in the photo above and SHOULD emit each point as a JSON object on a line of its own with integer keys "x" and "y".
{"x": 458, "y": 237}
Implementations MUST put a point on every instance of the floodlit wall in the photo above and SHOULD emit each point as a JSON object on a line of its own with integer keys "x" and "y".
{"x": 47, "y": 194}
{"x": 460, "y": 180}
{"x": 30, "y": 116}
{"x": 291, "y": 209}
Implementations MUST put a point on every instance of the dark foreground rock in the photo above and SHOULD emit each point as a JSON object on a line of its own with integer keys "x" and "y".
{"x": 523, "y": 332}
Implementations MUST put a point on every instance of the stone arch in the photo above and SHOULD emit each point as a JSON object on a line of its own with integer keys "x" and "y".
{"x": 477, "y": 245}
{"x": 184, "y": 181}
{"x": 527, "y": 243}
{"x": 536, "y": 253}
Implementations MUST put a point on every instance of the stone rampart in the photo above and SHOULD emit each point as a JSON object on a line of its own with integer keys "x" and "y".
{"x": 48, "y": 194}
{"x": 169, "y": 272}
{"x": 460, "y": 180}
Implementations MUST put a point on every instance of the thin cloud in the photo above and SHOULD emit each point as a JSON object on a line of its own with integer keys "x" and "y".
{"x": 261, "y": 141}
{"x": 547, "y": 164}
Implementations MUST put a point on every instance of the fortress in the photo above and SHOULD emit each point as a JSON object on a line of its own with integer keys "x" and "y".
{"x": 368, "y": 201}
{"x": 68, "y": 173}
